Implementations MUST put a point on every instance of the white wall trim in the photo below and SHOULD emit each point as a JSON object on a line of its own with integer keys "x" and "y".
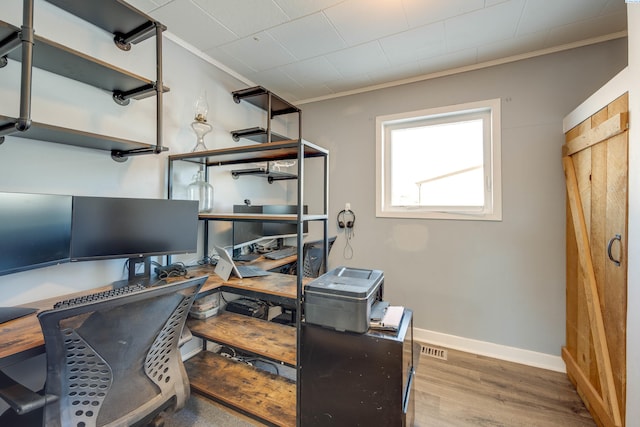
{"x": 497, "y": 351}
{"x": 473, "y": 67}
{"x": 200, "y": 54}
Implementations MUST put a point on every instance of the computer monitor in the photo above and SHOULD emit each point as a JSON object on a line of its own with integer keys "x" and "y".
{"x": 249, "y": 232}
{"x": 278, "y": 229}
{"x": 106, "y": 228}
{"x": 246, "y": 233}
{"x": 35, "y": 231}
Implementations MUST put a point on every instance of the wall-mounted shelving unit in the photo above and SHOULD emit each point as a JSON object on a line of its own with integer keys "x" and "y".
{"x": 127, "y": 25}
{"x": 273, "y": 105}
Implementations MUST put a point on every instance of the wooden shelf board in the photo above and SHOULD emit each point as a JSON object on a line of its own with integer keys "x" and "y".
{"x": 248, "y": 217}
{"x": 271, "y": 340}
{"x": 113, "y": 16}
{"x": 6, "y": 30}
{"x": 257, "y": 134}
{"x": 64, "y": 61}
{"x": 258, "y": 96}
{"x": 255, "y": 153}
{"x": 60, "y": 135}
{"x": 255, "y": 392}
{"x": 61, "y": 60}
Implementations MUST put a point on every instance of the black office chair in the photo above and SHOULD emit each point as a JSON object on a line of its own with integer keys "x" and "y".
{"x": 313, "y": 257}
{"x": 312, "y": 266}
{"x": 112, "y": 361}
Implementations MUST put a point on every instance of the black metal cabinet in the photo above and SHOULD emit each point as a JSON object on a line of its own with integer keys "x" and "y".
{"x": 350, "y": 379}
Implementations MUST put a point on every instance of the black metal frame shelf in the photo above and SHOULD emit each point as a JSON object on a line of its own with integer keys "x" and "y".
{"x": 284, "y": 218}
{"x": 265, "y": 100}
{"x": 119, "y": 148}
{"x": 271, "y": 151}
{"x": 255, "y": 153}
{"x": 270, "y": 103}
{"x": 265, "y": 172}
{"x": 63, "y": 61}
{"x": 128, "y": 26}
{"x": 257, "y": 134}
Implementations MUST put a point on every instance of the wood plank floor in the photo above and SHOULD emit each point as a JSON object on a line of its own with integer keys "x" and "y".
{"x": 469, "y": 390}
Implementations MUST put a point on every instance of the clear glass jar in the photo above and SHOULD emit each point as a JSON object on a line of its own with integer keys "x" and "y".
{"x": 201, "y": 191}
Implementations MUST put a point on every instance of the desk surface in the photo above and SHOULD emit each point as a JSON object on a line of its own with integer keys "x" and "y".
{"x": 23, "y": 335}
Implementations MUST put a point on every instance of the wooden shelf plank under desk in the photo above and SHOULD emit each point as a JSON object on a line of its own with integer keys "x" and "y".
{"x": 271, "y": 340}
{"x": 243, "y": 387}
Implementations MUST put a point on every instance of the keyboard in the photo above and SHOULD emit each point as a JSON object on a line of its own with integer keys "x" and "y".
{"x": 246, "y": 257}
{"x": 110, "y": 293}
{"x": 282, "y": 253}
{"x": 251, "y": 271}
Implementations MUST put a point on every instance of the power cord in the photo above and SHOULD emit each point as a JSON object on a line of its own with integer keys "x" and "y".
{"x": 207, "y": 260}
{"x": 231, "y": 353}
{"x": 347, "y": 253}
{"x": 172, "y": 270}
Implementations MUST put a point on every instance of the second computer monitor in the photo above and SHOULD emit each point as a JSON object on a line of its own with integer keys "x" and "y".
{"x": 245, "y": 232}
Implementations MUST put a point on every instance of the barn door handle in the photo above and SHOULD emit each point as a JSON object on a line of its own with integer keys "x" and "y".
{"x": 613, "y": 239}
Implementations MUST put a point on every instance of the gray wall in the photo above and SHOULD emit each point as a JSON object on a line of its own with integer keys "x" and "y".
{"x": 497, "y": 282}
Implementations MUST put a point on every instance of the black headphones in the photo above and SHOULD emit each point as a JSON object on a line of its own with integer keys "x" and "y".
{"x": 344, "y": 220}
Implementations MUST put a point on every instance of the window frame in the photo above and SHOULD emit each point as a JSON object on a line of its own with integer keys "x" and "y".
{"x": 492, "y": 210}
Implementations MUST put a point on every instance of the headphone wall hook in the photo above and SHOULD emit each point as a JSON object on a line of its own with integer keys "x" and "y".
{"x": 346, "y": 218}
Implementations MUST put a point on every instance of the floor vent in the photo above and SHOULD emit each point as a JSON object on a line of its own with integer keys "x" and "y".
{"x": 438, "y": 353}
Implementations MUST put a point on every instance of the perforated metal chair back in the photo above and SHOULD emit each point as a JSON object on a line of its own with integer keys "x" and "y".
{"x": 116, "y": 361}
{"x": 313, "y": 256}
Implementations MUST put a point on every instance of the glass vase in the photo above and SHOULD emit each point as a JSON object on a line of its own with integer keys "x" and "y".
{"x": 201, "y": 191}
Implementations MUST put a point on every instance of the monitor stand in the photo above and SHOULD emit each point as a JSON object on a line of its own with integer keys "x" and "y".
{"x": 143, "y": 277}
{"x": 133, "y": 267}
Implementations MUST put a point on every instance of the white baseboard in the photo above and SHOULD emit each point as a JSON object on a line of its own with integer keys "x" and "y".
{"x": 497, "y": 351}
{"x": 483, "y": 348}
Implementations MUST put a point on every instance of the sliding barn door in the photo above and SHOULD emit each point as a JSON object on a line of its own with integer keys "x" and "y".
{"x": 595, "y": 162}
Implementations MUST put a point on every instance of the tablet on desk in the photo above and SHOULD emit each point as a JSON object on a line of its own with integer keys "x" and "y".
{"x": 11, "y": 313}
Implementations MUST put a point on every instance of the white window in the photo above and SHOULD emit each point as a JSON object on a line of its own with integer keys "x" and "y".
{"x": 440, "y": 163}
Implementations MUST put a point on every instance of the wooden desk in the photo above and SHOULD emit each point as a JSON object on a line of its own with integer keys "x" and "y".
{"x": 22, "y": 338}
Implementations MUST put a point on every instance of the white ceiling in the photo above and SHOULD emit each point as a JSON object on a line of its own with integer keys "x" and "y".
{"x": 308, "y": 49}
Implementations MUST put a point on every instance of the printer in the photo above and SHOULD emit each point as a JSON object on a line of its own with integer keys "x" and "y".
{"x": 342, "y": 299}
